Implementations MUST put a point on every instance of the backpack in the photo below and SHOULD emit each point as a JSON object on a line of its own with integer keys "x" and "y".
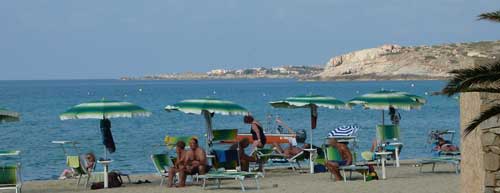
{"x": 114, "y": 180}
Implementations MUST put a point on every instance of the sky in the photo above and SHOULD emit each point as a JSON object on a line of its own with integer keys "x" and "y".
{"x": 100, "y": 39}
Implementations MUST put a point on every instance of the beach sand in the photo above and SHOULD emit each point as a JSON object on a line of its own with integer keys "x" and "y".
{"x": 405, "y": 179}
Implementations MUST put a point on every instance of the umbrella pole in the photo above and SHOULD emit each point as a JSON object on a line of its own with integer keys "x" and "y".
{"x": 311, "y": 162}
{"x": 383, "y": 119}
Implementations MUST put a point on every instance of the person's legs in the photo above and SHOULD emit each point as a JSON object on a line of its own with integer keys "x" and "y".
{"x": 244, "y": 165}
{"x": 182, "y": 177}
{"x": 333, "y": 167}
{"x": 202, "y": 169}
{"x": 278, "y": 147}
{"x": 65, "y": 174}
{"x": 171, "y": 173}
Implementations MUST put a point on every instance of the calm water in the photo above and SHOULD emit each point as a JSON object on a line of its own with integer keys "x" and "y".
{"x": 40, "y": 103}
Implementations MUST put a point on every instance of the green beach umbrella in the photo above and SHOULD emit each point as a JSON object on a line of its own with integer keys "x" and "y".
{"x": 382, "y": 100}
{"x": 207, "y": 107}
{"x": 8, "y": 116}
{"x": 104, "y": 109}
{"x": 311, "y": 102}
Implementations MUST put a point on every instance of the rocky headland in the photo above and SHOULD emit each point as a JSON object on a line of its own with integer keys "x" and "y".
{"x": 415, "y": 62}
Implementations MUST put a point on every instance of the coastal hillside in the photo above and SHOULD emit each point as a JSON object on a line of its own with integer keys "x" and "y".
{"x": 415, "y": 62}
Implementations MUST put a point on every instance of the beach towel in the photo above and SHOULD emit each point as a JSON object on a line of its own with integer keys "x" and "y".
{"x": 107, "y": 136}
{"x": 73, "y": 161}
{"x": 221, "y": 155}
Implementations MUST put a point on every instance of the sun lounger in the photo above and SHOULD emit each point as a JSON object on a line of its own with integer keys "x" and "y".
{"x": 226, "y": 162}
{"x": 162, "y": 162}
{"x": 231, "y": 175}
{"x": 225, "y": 168}
{"x": 332, "y": 154}
{"x": 265, "y": 155}
{"x": 75, "y": 163}
{"x": 10, "y": 174}
{"x": 455, "y": 161}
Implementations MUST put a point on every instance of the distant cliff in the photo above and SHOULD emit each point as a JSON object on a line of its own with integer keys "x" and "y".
{"x": 415, "y": 62}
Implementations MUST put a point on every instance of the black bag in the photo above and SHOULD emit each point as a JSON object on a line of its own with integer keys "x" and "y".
{"x": 97, "y": 185}
{"x": 114, "y": 180}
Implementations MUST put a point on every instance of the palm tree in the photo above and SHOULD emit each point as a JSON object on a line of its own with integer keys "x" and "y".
{"x": 492, "y": 16}
{"x": 484, "y": 78}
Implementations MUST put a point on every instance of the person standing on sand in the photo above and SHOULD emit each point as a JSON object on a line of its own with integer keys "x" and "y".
{"x": 345, "y": 154}
{"x": 259, "y": 139}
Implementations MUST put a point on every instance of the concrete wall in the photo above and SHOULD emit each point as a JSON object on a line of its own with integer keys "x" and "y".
{"x": 472, "y": 174}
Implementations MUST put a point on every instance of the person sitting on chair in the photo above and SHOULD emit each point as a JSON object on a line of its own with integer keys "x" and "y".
{"x": 178, "y": 165}
{"x": 89, "y": 166}
{"x": 244, "y": 158}
{"x": 195, "y": 162}
{"x": 345, "y": 154}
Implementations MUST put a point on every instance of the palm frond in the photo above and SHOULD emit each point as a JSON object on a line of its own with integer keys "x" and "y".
{"x": 465, "y": 79}
{"x": 492, "y": 16}
{"x": 488, "y": 90}
{"x": 485, "y": 115}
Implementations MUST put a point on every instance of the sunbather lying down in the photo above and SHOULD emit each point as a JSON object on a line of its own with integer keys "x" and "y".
{"x": 444, "y": 145}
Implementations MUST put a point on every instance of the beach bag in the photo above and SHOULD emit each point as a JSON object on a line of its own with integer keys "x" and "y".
{"x": 114, "y": 180}
{"x": 319, "y": 168}
{"x": 97, "y": 185}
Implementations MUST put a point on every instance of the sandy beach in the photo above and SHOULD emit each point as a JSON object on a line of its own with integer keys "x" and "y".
{"x": 407, "y": 178}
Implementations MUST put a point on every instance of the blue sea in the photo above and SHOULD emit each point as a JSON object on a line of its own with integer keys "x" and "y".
{"x": 40, "y": 103}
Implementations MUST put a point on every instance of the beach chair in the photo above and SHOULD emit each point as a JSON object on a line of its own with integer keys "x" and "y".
{"x": 162, "y": 163}
{"x": 226, "y": 162}
{"x": 388, "y": 137}
{"x": 455, "y": 161}
{"x": 76, "y": 164}
{"x": 264, "y": 155}
{"x": 448, "y": 136}
{"x": 332, "y": 154}
{"x": 10, "y": 174}
{"x": 225, "y": 168}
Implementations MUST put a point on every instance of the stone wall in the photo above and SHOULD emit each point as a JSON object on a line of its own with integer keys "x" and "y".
{"x": 481, "y": 148}
{"x": 490, "y": 141}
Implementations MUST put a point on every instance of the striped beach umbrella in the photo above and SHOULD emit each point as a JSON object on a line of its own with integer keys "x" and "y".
{"x": 103, "y": 110}
{"x": 8, "y": 116}
{"x": 207, "y": 107}
{"x": 383, "y": 100}
{"x": 344, "y": 130}
{"x": 311, "y": 102}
